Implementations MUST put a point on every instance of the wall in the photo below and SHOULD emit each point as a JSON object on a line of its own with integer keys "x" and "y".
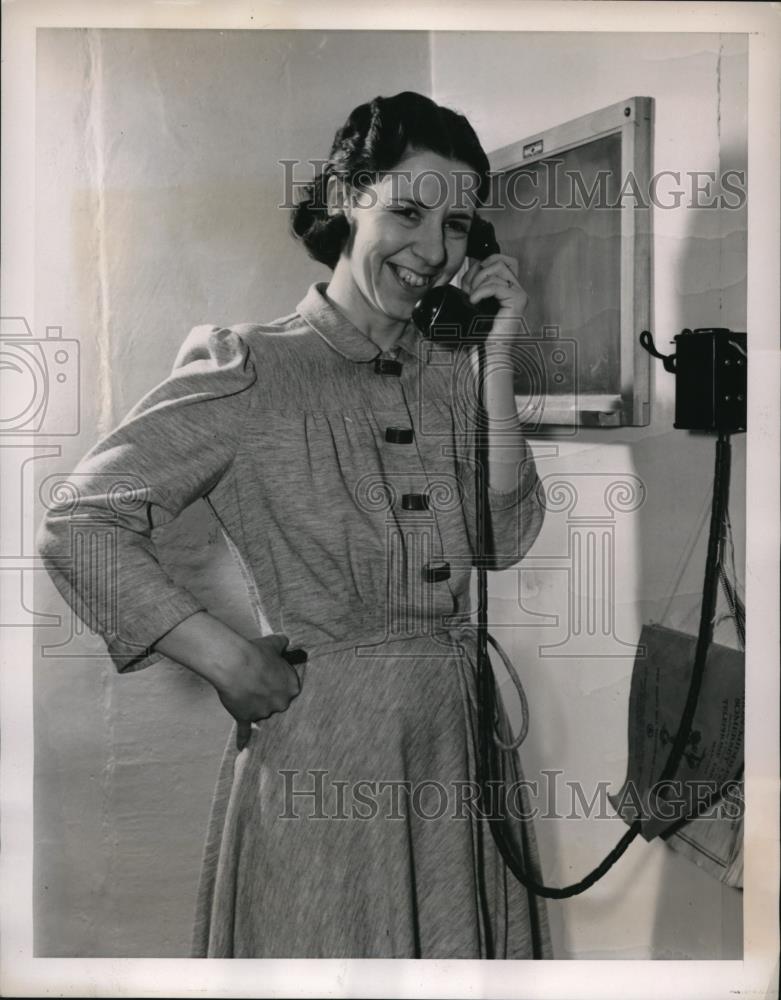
{"x": 156, "y": 193}
{"x": 654, "y": 903}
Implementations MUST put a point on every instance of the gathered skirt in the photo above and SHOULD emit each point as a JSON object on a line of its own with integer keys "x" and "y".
{"x": 344, "y": 828}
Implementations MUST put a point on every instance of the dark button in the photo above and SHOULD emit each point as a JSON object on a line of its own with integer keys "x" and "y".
{"x": 387, "y": 366}
{"x": 436, "y": 572}
{"x": 399, "y": 435}
{"x": 414, "y": 501}
{"x": 294, "y": 656}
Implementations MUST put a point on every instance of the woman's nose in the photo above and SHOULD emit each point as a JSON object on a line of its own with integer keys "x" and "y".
{"x": 430, "y": 247}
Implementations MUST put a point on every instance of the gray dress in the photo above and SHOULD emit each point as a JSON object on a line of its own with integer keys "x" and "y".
{"x": 344, "y": 829}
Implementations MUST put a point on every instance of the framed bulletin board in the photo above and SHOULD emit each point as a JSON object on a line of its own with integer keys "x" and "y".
{"x": 572, "y": 205}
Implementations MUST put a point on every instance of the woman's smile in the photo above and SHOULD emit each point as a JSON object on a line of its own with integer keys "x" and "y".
{"x": 409, "y": 232}
{"x": 411, "y": 281}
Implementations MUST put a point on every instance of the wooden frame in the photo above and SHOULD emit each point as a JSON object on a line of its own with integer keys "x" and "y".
{"x": 632, "y": 121}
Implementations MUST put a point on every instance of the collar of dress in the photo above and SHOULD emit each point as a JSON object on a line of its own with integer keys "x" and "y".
{"x": 337, "y": 330}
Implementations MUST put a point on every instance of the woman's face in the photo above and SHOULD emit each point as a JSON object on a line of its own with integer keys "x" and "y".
{"x": 408, "y": 232}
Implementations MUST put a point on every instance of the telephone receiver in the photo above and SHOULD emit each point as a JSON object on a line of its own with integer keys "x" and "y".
{"x": 445, "y": 314}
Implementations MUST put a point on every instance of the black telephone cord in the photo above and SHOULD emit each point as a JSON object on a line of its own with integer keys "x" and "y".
{"x": 489, "y": 769}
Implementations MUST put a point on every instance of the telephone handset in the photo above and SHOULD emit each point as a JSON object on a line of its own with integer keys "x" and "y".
{"x": 445, "y": 314}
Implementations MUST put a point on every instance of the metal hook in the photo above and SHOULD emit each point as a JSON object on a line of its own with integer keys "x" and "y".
{"x": 647, "y": 341}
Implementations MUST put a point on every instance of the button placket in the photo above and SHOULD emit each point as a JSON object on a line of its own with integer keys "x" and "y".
{"x": 436, "y": 569}
{"x": 416, "y": 569}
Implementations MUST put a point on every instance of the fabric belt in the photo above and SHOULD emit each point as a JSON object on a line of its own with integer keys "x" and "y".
{"x": 461, "y": 632}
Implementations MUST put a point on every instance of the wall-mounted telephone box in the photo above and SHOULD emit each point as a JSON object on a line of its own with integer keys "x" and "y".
{"x": 710, "y": 380}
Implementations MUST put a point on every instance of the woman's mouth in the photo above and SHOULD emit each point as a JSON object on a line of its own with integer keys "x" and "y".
{"x": 410, "y": 280}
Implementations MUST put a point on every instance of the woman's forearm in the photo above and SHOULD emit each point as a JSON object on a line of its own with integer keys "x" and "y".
{"x": 506, "y": 448}
{"x": 206, "y": 646}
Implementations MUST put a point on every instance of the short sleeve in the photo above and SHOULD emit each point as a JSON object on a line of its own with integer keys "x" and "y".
{"x": 173, "y": 447}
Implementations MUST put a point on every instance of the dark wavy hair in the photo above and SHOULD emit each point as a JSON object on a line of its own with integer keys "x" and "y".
{"x": 374, "y": 139}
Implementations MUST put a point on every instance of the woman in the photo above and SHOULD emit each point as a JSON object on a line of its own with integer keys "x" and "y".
{"x": 345, "y": 488}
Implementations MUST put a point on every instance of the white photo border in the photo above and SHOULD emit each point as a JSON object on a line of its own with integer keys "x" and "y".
{"x": 757, "y": 974}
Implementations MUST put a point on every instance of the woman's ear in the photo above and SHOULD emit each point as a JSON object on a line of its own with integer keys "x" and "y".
{"x": 338, "y": 197}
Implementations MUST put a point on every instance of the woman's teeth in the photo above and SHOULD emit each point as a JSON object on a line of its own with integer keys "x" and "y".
{"x": 410, "y": 278}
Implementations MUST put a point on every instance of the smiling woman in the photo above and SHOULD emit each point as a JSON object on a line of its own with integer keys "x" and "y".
{"x": 406, "y": 238}
{"x": 333, "y": 449}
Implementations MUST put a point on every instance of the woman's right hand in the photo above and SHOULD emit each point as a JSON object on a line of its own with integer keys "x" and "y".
{"x": 260, "y": 684}
{"x": 251, "y": 677}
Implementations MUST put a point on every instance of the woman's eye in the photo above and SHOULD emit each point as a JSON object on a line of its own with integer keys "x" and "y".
{"x": 412, "y": 214}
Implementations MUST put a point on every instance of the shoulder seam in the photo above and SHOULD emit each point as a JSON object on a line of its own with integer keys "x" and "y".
{"x": 252, "y": 403}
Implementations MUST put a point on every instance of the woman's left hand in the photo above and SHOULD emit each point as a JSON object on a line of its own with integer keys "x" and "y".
{"x": 497, "y": 277}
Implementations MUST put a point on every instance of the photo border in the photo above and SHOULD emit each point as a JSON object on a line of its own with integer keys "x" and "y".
{"x": 757, "y": 973}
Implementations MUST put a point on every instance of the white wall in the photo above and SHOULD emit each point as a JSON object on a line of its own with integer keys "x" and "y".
{"x": 156, "y": 192}
{"x": 654, "y": 903}
{"x": 157, "y": 181}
